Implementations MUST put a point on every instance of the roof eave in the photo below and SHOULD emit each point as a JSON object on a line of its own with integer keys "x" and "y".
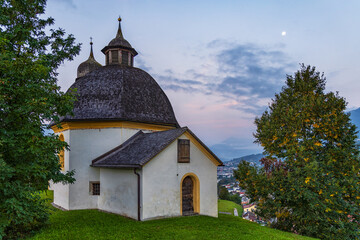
{"x": 116, "y": 166}
{"x": 134, "y": 52}
{"x": 64, "y": 120}
{"x": 206, "y": 148}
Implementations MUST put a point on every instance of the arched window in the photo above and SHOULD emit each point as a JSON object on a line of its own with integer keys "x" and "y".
{"x": 62, "y": 154}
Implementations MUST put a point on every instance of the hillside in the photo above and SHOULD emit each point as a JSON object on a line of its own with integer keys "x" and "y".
{"x": 93, "y": 224}
{"x": 355, "y": 118}
{"x": 228, "y": 206}
{"x": 253, "y": 158}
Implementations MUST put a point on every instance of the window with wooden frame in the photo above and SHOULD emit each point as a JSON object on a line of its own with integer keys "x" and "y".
{"x": 114, "y": 56}
{"x": 94, "y": 188}
{"x": 62, "y": 154}
{"x": 125, "y": 58}
{"x": 183, "y": 150}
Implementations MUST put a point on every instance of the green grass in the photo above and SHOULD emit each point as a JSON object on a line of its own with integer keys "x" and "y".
{"x": 93, "y": 224}
{"x": 228, "y": 206}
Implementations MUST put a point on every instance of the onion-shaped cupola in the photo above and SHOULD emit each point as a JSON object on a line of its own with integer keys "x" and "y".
{"x": 119, "y": 51}
{"x": 89, "y": 65}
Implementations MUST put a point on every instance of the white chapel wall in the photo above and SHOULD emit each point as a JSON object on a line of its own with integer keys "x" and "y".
{"x": 61, "y": 191}
{"x": 118, "y": 192}
{"x": 86, "y": 145}
{"x": 161, "y": 181}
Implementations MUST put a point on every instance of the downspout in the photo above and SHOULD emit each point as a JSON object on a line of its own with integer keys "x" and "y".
{"x": 138, "y": 177}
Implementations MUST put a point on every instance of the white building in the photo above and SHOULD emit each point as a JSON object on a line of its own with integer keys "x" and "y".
{"x": 130, "y": 155}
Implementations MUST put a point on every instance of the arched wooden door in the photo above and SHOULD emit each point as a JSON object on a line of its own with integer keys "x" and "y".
{"x": 187, "y": 196}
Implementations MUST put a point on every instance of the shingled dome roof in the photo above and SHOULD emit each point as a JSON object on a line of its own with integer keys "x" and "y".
{"x": 119, "y": 42}
{"x": 89, "y": 65}
{"x": 121, "y": 93}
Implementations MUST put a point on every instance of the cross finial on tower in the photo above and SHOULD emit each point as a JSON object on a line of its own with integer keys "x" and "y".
{"x": 91, "y": 49}
{"x": 119, "y": 33}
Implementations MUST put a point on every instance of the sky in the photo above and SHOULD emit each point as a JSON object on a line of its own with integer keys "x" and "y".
{"x": 221, "y": 62}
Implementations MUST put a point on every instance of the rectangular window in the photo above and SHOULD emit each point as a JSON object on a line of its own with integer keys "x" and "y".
{"x": 114, "y": 57}
{"x": 107, "y": 58}
{"x": 95, "y": 188}
{"x": 125, "y": 58}
{"x": 183, "y": 151}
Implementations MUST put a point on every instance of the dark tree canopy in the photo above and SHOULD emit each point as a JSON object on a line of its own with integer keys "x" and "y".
{"x": 309, "y": 182}
{"x": 224, "y": 193}
{"x": 29, "y": 100}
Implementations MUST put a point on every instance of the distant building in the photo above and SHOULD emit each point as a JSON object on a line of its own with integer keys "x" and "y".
{"x": 244, "y": 200}
{"x": 250, "y": 216}
{"x": 249, "y": 207}
{"x": 130, "y": 155}
{"x": 249, "y": 213}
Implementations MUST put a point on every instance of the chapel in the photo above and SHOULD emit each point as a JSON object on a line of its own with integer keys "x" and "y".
{"x": 129, "y": 153}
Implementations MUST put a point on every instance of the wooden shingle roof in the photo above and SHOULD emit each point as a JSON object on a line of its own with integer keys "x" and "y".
{"x": 121, "y": 93}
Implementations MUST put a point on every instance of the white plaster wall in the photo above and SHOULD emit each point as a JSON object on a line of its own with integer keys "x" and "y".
{"x": 161, "y": 181}
{"x": 85, "y": 146}
{"x": 118, "y": 192}
{"x": 61, "y": 191}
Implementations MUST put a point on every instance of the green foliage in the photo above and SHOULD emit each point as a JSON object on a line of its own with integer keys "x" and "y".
{"x": 309, "y": 182}
{"x": 225, "y": 181}
{"x": 235, "y": 198}
{"x": 224, "y": 193}
{"x": 29, "y": 100}
{"x": 93, "y": 224}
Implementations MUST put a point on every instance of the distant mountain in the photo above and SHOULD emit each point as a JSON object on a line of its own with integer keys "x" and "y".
{"x": 230, "y": 147}
{"x": 355, "y": 118}
{"x": 252, "y": 158}
{"x": 235, "y": 146}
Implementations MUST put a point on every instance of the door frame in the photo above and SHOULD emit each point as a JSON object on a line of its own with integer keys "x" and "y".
{"x": 196, "y": 192}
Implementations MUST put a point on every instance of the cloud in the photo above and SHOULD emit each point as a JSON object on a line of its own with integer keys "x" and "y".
{"x": 248, "y": 74}
{"x": 69, "y": 3}
{"x": 140, "y": 63}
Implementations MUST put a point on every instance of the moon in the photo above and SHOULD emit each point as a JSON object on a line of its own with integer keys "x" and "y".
{"x": 283, "y": 33}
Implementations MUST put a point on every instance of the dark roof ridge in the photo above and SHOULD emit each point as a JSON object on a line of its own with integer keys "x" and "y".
{"x": 124, "y": 144}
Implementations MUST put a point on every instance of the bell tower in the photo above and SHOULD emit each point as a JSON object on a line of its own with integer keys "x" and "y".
{"x": 119, "y": 51}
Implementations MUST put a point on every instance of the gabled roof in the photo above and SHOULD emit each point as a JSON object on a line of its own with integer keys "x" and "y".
{"x": 141, "y": 148}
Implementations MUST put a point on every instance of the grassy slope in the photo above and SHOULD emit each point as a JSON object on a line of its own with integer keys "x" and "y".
{"x": 93, "y": 224}
{"x": 228, "y": 206}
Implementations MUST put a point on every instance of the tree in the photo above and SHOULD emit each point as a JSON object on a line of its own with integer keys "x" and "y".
{"x": 29, "y": 100}
{"x": 224, "y": 193}
{"x": 309, "y": 182}
{"x": 235, "y": 198}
